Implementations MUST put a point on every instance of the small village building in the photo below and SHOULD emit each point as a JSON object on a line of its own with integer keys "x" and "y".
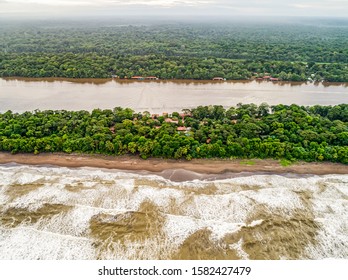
{"x": 169, "y": 120}
{"x": 273, "y": 79}
{"x": 181, "y": 128}
{"x": 138, "y": 78}
{"x": 151, "y": 78}
{"x": 183, "y": 115}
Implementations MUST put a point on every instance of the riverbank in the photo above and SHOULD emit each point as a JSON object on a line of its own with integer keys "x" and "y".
{"x": 100, "y": 81}
{"x": 201, "y": 166}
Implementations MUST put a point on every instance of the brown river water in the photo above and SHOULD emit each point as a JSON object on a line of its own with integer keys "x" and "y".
{"x": 51, "y": 212}
{"x": 159, "y": 96}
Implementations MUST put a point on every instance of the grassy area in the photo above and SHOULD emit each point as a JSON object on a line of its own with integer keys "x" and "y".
{"x": 285, "y": 162}
{"x": 248, "y": 162}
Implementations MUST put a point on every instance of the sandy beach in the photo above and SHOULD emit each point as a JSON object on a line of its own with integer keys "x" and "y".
{"x": 178, "y": 170}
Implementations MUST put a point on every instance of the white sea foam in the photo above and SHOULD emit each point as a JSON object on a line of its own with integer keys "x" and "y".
{"x": 238, "y": 248}
{"x": 178, "y": 228}
{"x": 90, "y": 191}
{"x": 276, "y": 198}
{"x": 331, "y": 210}
{"x": 255, "y": 223}
{"x": 28, "y": 243}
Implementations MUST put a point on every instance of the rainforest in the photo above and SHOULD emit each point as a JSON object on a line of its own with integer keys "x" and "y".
{"x": 200, "y": 51}
{"x": 291, "y": 132}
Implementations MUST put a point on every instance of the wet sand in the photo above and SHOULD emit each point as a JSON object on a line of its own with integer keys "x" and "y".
{"x": 176, "y": 170}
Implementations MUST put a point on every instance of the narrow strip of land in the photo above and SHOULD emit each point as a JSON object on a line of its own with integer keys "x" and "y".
{"x": 203, "y": 166}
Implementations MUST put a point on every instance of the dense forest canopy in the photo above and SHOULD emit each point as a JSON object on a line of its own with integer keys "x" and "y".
{"x": 233, "y": 50}
{"x": 317, "y": 133}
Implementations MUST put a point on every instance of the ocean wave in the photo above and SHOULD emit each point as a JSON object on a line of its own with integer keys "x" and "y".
{"x": 54, "y": 211}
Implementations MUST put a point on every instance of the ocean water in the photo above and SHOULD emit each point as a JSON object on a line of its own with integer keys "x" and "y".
{"x": 87, "y": 213}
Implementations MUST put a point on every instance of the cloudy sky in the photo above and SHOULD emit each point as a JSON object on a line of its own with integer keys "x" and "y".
{"x": 331, "y": 8}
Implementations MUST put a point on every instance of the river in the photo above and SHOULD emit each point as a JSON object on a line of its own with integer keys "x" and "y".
{"x": 159, "y": 96}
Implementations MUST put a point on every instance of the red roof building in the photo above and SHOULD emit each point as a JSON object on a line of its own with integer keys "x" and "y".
{"x": 138, "y": 78}
{"x": 183, "y": 115}
{"x": 169, "y": 120}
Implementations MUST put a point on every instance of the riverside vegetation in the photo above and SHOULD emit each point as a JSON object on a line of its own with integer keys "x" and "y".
{"x": 314, "y": 51}
{"x": 317, "y": 133}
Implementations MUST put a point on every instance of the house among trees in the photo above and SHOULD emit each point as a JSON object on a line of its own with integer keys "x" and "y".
{"x": 151, "y": 78}
{"x": 144, "y": 78}
{"x": 270, "y": 78}
{"x": 184, "y": 129}
{"x": 138, "y": 78}
{"x": 218, "y": 79}
{"x": 169, "y": 120}
{"x": 183, "y": 115}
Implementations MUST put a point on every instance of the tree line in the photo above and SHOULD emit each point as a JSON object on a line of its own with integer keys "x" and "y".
{"x": 92, "y": 65}
{"x": 317, "y": 133}
{"x": 290, "y": 52}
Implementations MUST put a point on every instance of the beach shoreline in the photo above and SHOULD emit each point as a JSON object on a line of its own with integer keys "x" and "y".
{"x": 155, "y": 165}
